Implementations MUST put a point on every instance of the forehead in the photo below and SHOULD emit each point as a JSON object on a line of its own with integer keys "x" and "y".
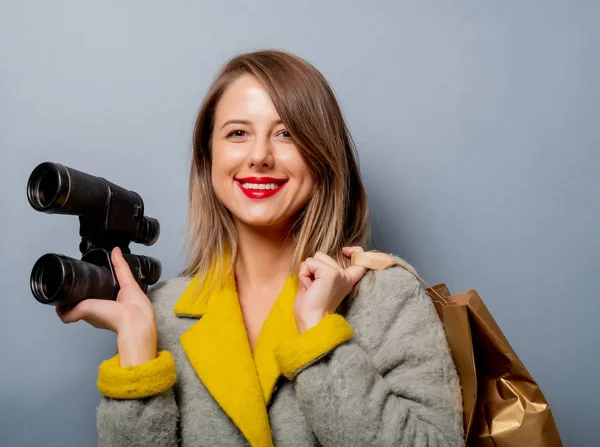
{"x": 245, "y": 98}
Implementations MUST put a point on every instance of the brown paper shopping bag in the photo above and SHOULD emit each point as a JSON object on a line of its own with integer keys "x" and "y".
{"x": 503, "y": 406}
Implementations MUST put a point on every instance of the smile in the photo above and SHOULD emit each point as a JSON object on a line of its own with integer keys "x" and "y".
{"x": 260, "y": 188}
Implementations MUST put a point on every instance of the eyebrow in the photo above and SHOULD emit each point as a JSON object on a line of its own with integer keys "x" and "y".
{"x": 246, "y": 122}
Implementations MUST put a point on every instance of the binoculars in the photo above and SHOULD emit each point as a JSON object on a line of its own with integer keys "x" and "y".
{"x": 109, "y": 216}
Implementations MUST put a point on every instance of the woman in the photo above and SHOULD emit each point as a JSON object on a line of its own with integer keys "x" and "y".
{"x": 269, "y": 336}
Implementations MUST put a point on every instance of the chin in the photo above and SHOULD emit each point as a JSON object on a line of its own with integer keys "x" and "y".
{"x": 261, "y": 222}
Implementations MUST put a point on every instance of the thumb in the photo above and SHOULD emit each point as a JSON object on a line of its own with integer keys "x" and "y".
{"x": 122, "y": 270}
{"x": 354, "y": 272}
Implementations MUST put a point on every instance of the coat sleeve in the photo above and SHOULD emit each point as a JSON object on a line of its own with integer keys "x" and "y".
{"x": 137, "y": 405}
{"x": 395, "y": 385}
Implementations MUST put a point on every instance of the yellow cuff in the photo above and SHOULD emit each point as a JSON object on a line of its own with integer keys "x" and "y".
{"x": 298, "y": 352}
{"x": 135, "y": 382}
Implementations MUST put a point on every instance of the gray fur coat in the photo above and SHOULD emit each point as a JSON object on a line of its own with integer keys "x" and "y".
{"x": 380, "y": 375}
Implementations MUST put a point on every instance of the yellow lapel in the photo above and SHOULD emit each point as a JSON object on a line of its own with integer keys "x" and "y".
{"x": 280, "y": 325}
{"x": 218, "y": 349}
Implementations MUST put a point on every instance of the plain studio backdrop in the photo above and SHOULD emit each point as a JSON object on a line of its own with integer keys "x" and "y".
{"x": 478, "y": 129}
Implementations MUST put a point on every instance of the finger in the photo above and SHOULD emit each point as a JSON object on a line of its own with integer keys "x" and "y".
{"x": 61, "y": 310}
{"x": 355, "y": 272}
{"x": 319, "y": 268}
{"x": 70, "y": 314}
{"x": 122, "y": 270}
{"x": 102, "y": 314}
{"x": 99, "y": 313}
{"x": 327, "y": 259}
{"x": 304, "y": 274}
{"x": 348, "y": 251}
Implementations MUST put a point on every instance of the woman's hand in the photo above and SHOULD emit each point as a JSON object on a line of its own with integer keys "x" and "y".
{"x": 323, "y": 284}
{"x": 131, "y": 316}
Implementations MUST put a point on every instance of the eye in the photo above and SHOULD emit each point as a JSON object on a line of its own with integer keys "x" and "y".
{"x": 236, "y": 133}
{"x": 286, "y": 134}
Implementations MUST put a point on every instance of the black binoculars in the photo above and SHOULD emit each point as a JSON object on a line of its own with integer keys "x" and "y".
{"x": 109, "y": 216}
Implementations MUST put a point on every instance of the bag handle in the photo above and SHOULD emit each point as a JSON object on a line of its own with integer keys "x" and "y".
{"x": 377, "y": 260}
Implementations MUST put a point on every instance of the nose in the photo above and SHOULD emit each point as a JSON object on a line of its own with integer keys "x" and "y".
{"x": 261, "y": 154}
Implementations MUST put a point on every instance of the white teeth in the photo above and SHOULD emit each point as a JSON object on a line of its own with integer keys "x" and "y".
{"x": 259, "y": 185}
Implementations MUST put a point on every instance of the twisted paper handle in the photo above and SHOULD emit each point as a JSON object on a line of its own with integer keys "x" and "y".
{"x": 377, "y": 260}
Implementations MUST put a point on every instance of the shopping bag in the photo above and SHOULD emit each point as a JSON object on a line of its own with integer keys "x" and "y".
{"x": 503, "y": 405}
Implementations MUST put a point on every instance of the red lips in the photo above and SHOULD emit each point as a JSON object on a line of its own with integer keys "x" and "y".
{"x": 260, "y": 193}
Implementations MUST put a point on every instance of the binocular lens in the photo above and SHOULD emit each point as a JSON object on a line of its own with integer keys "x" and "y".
{"x": 51, "y": 278}
{"x": 44, "y": 187}
{"x": 47, "y": 188}
{"x": 48, "y": 278}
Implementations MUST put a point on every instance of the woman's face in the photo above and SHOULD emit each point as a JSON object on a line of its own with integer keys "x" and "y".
{"x": 257, "y": 171}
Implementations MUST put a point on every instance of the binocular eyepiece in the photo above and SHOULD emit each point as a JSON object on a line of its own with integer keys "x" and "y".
{"x": 109, "y": 216}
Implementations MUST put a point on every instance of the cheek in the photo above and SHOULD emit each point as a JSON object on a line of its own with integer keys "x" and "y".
{"x": 309, "y": 189}
{"x": 305, "y": 176}
{"x": 305, "y": 190}
{"x": 226, "y": 160}
{"x": 295, "y": 164}
{"x": 220, "y": 167}
{"x": 219, "y": 159}
{"x": 229, "y": 157}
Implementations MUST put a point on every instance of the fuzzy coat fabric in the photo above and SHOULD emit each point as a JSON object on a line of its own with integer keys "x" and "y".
{"x": 380, "y": 375}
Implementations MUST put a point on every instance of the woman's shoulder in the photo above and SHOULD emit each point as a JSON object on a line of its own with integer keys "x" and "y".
{"x": 389, "y": 294}
{"x": 164, "y": 294}
{"x": 391, "y": 283}
{"x": 392, "y": 304}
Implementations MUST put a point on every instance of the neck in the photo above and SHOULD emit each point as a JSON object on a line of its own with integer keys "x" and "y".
{"x": 264, "y": 256}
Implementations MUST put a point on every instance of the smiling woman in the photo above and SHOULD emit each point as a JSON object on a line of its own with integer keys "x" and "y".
{"x": 274, "y": 115}
{"x": 269, "y": 336}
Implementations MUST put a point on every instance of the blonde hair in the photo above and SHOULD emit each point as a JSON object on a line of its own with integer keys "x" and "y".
{"x": 337, "y": 214}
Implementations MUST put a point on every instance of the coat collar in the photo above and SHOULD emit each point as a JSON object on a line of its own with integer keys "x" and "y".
{"x": 217, "y": 346}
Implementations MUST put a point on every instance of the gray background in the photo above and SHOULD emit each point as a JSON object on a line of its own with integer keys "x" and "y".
{"x": 478, "y": 130}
